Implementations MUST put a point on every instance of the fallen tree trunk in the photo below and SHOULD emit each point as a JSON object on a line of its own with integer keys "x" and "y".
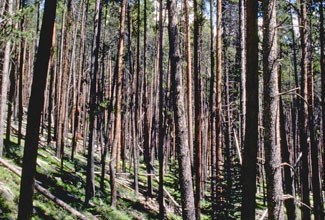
{"x": 46, "y": 193}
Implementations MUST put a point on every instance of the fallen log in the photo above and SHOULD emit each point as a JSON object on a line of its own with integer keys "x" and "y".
{"x": 46, "y": 193}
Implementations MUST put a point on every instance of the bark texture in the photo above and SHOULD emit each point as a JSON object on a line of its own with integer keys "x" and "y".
{"x": 271, "y": 112}
{"x": 90, "y": 176}
{"x": 303, "y": 113}
{"x": 25, "y": 207}
{"x": 5, "y": 80}
{"x": 251, "y": 129}
{"x": 183, "y": 153}
{"x": 118, "y": 105}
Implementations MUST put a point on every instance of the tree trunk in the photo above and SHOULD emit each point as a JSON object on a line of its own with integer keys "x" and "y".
{"x": 252, "y": 104}
{"x": 82, "y": 53}
{"x": 315, "y": 157}
{"x": 146, "y": 107}
{"x": 242, "y": 38}
{"x": 184, "y": 159}
{"x": 289, "y": 188}
{"x": 21, "y": 70}
{"x": 25, "y": 208}
{"x": 217, "y": 200}
{"x": 90, "y": 179}
{"x": 303, "y": 113}
{"x": 118, "y": 104}
{"x": 271, "y": 112}
{"x": 50, "y": 99}
{"x": 197, "y": 105}
{"x": 47, "y": 194}
{"x": 287, "y": 155}
{"x": 212, "y": 119}
{"x": 11, "y": 97}
{"x": 322, "y": 64}
{"x": 5, "y": 81}
{"x": 189, "y": 77}
{"x": 137, "y": 110}
{"x": 65, "y": 85}
{"x": 161, "y": 130}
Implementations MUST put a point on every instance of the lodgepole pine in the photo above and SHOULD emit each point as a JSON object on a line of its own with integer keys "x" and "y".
{"x": 271, "y": 119}
{"x": 184, "y": 160}
{"x": 5, "y": 80}
{"x": 161, "y": 135}
{"x": 251, "y": 130}
{"x": 117, "y": 122}
{"x": 303, "y": 113}
{"x": 90, "y": 176}
{"x": 25, "y": 207}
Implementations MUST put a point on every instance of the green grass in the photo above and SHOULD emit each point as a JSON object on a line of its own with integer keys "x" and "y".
{"x": 11, "y": 181}
{"x": 68, "y": 185}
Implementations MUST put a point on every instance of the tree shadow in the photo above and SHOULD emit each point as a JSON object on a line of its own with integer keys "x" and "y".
{"x": 60, "y": 192}
{"x": 141, "y": 208}
{"x": 12, "y": 152}
{"x": 41, "y": 214}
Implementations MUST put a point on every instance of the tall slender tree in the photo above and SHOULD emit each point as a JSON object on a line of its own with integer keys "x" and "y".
{"x": 50, "y": 92}
{"x": 5, "y": 78}
{"x": 137, "y": 101}
{"x": 212, "y": 114}
{"x": 189, "y": 76}
{"x": 198, "y": 18}
{"x": 287, "y": 159}
{"x": 314, "y": 152}
{"x": 303, "y": 112}
{"x": 90, "y": 179}
{"x": 217, "y": 197}
{"x": 183, "y": 154}
{"x": 242, "y": 38}
{"x": 82, "y": 54}
{"x": 65, "y": 83}
{"x": 286, "y": 155}
{"x": 118, "y": 104}
{"x": 271, "y": 112}
{"x": 251, "y": 129}
{"x": 322, "y": 61}
{"x": 25, "y": 207}
{"x": 11, "y": 97}
{"x": 146, "y": 106}
{"x": 161, "y": 135}
{"x": 21, "y": 74}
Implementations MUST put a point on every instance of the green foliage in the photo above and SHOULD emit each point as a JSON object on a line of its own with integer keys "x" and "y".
{"x": 105, "y": 103}
{"x": 10, "y": 25}
{"x": 115, "y": 214}
{"x": 45, "y": 209}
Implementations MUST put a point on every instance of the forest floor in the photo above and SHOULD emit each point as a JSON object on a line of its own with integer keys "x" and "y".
{"x": 68, "y": 183}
